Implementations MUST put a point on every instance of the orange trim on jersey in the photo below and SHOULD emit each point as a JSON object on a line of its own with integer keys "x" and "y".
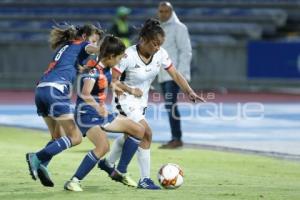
{"x": 50, "y": 67}
{"x": 76, "y": 41}
{"x": 171, "y": 65}
{"x": 91, "y": 63}
{"x": 102, "y": 97}
{"x": 117, "y": 70}
{"x": 102, "y": 84}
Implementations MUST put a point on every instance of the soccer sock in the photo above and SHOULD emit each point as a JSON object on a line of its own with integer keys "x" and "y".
{"x": 143, "y": 157}
{"x": 47, "y": 162}
{"x": 116, "y": 150}
{"x": 129, "y": 148}
{"x": 87, "y": 164}
{"x": 55, "y": 148}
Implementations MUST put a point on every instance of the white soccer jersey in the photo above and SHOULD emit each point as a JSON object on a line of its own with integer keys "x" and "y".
{"x": 139, "y": 74}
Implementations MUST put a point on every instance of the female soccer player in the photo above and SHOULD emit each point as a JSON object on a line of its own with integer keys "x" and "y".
{"x": 139, "y": 67}
{"x": 52, "y": 95}
{"x": 91, "y": 114}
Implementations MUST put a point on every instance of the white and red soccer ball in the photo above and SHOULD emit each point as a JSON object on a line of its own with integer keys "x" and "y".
{"x": 170, "y": 176}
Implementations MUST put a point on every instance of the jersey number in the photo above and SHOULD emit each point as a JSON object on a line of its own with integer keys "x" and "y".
{"x": 57, "y": 57}
{"x": 60, "y": 52}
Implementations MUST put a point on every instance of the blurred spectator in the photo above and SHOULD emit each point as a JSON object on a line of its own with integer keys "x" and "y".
{"x": 121, "y": 28}
{"x": 178, "y": 45}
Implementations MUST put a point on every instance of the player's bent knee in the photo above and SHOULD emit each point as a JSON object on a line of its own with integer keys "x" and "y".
{"x": 106, "y": 148}
{"x": 148, "y": 132}
{"x": 76, "y": 140}
{"x": 101, "y": 149}
{"x": 141, "y": 130}
{"x": 137, "y": 131}
{"x": 134, "y": 129}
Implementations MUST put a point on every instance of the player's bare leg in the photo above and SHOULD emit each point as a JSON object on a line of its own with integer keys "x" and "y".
{"x": 35, "y": 160}
{"x": 135, "y": 133}
{"x": 98, "y": 137}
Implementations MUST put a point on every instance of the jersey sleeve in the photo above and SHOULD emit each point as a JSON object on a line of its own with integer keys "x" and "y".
{"x": 84, "y": 44}
{"x": 166, "y": 61}
{"x": 123, "y": 65}
{"x": 91, "y": 75}
{"x": 108, "y": 75}
{"x": 83, "y": 47}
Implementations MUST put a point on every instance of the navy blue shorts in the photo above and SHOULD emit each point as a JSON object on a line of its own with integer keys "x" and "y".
{"x": 85, "y": 121}
{"x": 50, "y": 101}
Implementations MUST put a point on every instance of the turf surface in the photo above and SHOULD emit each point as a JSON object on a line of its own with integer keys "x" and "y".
{"x": 208, "y": 174}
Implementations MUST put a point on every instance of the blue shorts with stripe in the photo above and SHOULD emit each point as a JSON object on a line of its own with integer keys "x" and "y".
{"x": 50, "y": 101}
{"x": 85, "y": 121}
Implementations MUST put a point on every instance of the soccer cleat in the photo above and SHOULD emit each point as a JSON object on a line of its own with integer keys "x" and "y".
{"x": 103, "y": 166}
{"x": 147, "y": 184}
{"x": 116, "y": 176}
{"x": 123, "y": 178}
{"x": 73, "y": 185}
{"x": 173, "y": 144}
{"x": 33, "y": 164}
{"x": 44, "y": 176}
{"x": 127, "y": 180}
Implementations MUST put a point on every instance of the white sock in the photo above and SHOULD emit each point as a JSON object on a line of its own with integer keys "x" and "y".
{"x": 116, "y": 150}
{"x": 143, "y": 157}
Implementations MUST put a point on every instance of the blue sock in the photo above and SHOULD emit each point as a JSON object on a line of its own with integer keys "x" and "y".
{"x": 129, "y": 148}
{"x": 47, "y": 162}
{"x": 55, "y": 148}
{"x": 87, "y": 164}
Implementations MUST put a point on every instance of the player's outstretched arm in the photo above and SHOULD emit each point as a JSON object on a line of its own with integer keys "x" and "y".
{"x": 183, "y": 84}
{"x": 116, "y": 88}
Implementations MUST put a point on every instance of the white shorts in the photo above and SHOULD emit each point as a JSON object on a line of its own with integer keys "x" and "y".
{"x": 129, "y": 107}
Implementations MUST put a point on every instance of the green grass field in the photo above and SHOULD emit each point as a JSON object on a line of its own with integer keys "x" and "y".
{"x": 208, "y": 174}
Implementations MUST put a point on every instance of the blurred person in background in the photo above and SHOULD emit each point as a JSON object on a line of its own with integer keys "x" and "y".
{"x": 178, "y": 45}
{"x": 121, "y": 28}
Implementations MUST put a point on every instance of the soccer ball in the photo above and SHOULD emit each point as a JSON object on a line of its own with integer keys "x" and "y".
{"x": 170, "y": 176}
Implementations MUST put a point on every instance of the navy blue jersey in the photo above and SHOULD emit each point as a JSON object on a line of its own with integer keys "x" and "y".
{"x": 98, "y": 91}
{"x": 92, "y": 62}
{"x": 64, "y": 65}
{"x": 108, "y": 75}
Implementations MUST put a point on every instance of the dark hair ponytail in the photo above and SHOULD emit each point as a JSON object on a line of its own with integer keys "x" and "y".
{"x": 88, "y": 30}
{"x": 111, "y": 45}
{"x": 151, "y": 29}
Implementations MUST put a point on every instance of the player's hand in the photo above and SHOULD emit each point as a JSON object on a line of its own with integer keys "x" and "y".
{"x": 194, "y": 97}
{"x": 119, "y": 91}
{"x": 102, "y": 111}
{"x": 136, "y": 92}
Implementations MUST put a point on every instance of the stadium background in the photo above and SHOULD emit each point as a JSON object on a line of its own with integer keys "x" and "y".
{"x": 243, "y": 51}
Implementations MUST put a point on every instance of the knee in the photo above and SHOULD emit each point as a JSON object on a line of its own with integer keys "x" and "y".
{"x": 101, "y": 149}
{"x": 148, "y": 133}
{"x": 76, "y": 140}
{"x": 141, "y": 131}
{"x": 106, "y": 147}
